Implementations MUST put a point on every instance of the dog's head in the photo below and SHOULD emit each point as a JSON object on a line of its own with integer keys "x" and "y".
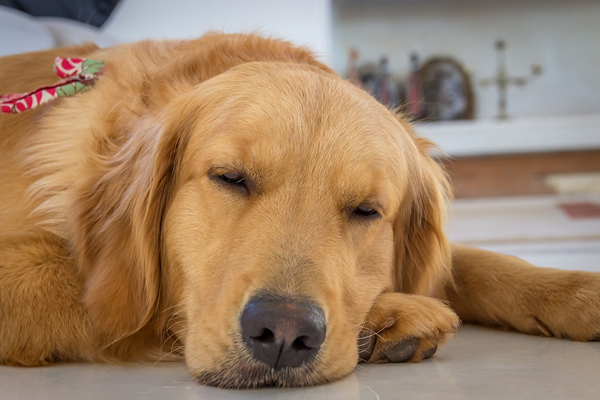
{"x": 258, "y": 215}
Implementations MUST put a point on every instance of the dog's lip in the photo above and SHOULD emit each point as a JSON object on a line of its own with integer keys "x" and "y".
{"x": 256, "y": 378}
{"x": 244, "y": 372}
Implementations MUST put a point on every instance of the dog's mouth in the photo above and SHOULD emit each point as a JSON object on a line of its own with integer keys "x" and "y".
{"x": 246, "y": 373}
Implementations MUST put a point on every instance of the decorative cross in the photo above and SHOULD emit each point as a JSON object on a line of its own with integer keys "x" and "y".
{"x": 502, "y": 80}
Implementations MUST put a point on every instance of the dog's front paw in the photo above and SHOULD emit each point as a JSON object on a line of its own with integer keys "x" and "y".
{"x": 402, "y": 327}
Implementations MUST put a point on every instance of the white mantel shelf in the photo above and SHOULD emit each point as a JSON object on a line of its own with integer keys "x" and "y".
{"x": 514, "y": 136}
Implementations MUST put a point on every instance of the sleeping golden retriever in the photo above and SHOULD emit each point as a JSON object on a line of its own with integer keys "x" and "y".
{"x": 230, "y": 200}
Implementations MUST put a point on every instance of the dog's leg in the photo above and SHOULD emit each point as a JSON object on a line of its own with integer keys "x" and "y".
{"x": 41, "y": 318}
{"x": 505, "y": 291}
{"x": 402, "y": 327}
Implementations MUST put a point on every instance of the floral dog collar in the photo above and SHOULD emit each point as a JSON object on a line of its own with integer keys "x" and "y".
{"x": 77, "y": 75}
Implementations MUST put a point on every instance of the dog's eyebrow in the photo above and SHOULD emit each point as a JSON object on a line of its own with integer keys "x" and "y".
{"x": 222, "y": 168}
{"x": 219, "y": 169}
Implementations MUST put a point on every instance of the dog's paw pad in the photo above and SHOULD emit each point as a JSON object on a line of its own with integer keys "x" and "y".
{"x": 402, "y": 351}
{"x": 430, "y": 352}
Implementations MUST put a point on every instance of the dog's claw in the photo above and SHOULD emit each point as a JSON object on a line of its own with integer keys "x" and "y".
{"x": 402, "y": 351}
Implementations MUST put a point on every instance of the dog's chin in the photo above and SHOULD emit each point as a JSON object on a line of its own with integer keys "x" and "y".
{"x": 246, "y": 373}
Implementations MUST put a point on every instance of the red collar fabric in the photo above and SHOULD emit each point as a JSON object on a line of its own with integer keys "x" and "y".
{"x": 77, "y": 75}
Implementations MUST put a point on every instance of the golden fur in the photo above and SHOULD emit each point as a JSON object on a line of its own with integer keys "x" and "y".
{"x": 118, "y": 243}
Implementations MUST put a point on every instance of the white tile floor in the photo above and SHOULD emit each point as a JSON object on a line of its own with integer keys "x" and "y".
{"x": 478, "y": 364}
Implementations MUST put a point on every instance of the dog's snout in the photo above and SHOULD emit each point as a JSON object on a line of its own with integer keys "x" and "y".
{"x": 283, "y": 333}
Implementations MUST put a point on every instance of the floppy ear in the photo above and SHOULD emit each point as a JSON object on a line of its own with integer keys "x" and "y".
{"x": 422, "y": 253}
{"x": 118, "y": 216}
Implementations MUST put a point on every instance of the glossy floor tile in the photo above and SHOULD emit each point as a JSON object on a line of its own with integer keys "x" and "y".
{"x": 477, "y": 364}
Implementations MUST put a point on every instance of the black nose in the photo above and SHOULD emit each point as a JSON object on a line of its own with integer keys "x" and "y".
{"x": 283, "y": 333}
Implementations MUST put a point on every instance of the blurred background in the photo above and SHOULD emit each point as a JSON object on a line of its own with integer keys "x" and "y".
{"x": 508, "y": 89}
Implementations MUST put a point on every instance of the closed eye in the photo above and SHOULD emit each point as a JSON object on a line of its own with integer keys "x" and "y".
{"x": 365, "y": 211}
{"x": 233, "y": 179}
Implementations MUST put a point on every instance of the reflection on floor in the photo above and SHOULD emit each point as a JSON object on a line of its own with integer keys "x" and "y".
{"x": 477, "y": 364}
